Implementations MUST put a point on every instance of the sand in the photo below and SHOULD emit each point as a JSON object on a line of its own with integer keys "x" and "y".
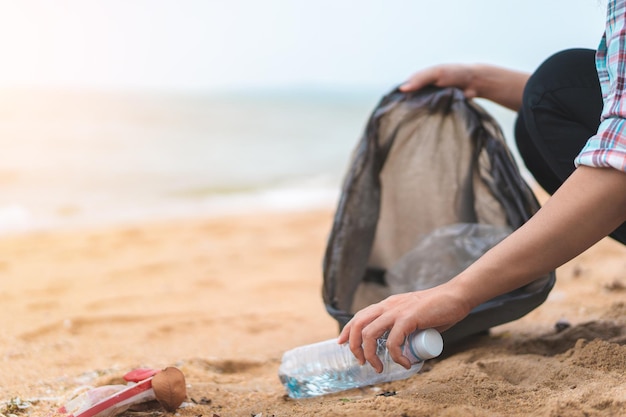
{"x": 222, "y": 298}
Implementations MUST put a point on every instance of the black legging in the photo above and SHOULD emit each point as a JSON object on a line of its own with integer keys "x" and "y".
{"x": 561, "y": 109}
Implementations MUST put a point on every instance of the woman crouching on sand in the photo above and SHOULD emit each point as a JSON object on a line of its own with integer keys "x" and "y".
{"x": 571, "y": 133}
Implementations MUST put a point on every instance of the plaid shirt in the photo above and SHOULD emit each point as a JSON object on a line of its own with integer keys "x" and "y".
{"x": 607, "y": 148}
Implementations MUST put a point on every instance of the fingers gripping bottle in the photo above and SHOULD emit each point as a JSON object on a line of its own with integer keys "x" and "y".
{"x": 327, "y": 367}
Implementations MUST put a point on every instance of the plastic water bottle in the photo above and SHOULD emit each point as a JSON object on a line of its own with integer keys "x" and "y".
{"x": 327, "y": 367}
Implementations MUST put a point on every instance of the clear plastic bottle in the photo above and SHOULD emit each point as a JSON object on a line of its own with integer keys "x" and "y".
{"x": 327, "y": 367}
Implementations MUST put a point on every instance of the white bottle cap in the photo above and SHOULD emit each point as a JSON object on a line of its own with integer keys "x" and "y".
{"x": 427, "y": 344}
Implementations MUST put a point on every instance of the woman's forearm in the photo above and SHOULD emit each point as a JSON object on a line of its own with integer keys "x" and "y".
{"x": 589, "y": 206}
{"x": 500, "y": 85}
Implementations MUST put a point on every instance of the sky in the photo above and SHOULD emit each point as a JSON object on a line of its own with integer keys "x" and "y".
{"x": 217, "y": 45}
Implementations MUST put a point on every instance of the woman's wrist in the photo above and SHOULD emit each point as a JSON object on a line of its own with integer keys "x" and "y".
{"x": 500, "y": 85}
{"x": 463, "y": 293}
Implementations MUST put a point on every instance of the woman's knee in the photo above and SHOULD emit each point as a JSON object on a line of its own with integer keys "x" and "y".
{"x": 565, "y": 70}
{"x": 560, "y": 110}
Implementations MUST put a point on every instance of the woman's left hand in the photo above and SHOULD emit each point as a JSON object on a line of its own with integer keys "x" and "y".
{"x": 440, "y": 308}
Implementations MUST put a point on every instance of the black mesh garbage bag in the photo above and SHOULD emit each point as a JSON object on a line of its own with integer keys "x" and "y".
{"x": 430, "y": 187}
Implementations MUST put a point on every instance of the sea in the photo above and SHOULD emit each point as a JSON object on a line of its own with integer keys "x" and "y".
{"x": 73, "y": 159}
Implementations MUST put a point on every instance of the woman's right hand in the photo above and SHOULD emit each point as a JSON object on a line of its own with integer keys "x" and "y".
{"x": 461, "y": 76}
{"x": 500, "y": 85}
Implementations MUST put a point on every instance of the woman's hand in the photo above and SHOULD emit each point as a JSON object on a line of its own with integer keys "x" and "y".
{"x": 440, "y": 308}
{"x": 447, "y": 75}
{"x": 500, "y": 85}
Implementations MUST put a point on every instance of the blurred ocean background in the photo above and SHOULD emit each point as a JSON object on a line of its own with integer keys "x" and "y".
{"x": 77, "y": 159}
{"x": 131, "y": 110}
{"x": 72, "y": 158}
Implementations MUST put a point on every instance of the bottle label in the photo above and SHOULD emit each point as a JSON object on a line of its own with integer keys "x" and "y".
{"x": 407, "y": 348}
{"x": 409, "y": 352}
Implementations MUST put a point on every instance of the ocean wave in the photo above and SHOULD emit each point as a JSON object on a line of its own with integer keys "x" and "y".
{"x": 286, "y": 198}
{"x": 15, "y": 218}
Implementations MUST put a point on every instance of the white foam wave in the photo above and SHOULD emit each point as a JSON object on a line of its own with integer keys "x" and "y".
{"x": 285, "y": 198}
{"x": 15, "y": 218}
